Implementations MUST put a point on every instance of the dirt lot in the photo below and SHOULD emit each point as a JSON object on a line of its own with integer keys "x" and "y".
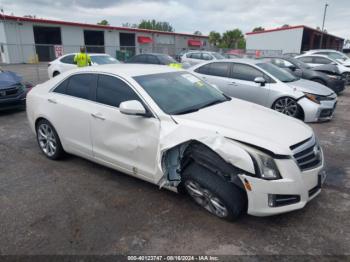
{"x": 78, "y": 207}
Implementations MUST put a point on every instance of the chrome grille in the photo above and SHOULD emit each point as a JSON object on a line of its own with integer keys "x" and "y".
{"x": 307, "y": 154}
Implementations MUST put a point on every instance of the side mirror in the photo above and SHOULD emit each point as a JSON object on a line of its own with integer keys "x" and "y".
{"x": 132, "y": 107}
{"x": 260, "y": 80}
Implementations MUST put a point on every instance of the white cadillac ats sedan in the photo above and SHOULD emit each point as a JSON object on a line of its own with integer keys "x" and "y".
{"x": 168, "y": 127}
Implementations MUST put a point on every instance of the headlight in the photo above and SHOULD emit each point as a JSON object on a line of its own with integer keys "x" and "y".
{"x": 312, "y": 97}
{"x": 267, "y": 167}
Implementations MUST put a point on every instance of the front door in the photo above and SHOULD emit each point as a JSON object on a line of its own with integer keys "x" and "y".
{"x": 126, "y": 142}
{"x": 244, "y": 87}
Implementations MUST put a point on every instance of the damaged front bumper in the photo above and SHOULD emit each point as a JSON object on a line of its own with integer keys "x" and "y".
{"x": 292, "y": 192}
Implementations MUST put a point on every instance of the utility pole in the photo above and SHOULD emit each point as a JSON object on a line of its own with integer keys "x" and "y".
{"x": 324, "y": 18}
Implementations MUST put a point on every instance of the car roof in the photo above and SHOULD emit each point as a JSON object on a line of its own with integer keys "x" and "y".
{"x": 322, "y": 50}
{"x": 128, "y": 70}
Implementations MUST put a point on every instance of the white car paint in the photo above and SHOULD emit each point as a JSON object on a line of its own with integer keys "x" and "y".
{"x": 236, "y": 130}
{"x": 65, "y": 63}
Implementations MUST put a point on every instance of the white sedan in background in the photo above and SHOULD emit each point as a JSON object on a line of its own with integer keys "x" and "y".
{"x": 66, "y": 62}
{"x": 168, "y": 127}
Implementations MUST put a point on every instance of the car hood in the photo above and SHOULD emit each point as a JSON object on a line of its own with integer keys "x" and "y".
{"x": 310, "y": 87}
{"x": 8, "y": 78}
{"x": 249, "y": 123}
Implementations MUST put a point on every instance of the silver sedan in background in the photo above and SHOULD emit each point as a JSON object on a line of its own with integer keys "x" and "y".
{"x": 265, "y": 84}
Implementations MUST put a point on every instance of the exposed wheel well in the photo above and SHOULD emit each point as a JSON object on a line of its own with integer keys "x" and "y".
{"x": 177, "y": 159}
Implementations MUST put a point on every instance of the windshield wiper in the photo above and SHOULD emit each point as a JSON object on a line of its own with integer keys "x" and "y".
{"x": 187, "y": 111}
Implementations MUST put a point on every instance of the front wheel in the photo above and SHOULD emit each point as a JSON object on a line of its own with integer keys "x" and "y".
{"x": 287, "y": 106}
{"x": 213, "y": 193}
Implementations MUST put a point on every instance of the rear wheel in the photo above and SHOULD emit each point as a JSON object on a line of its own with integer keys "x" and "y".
{"x": 287, "y": 106}
{"x": 48, "y": 140}
{"x": 212, "y": 192}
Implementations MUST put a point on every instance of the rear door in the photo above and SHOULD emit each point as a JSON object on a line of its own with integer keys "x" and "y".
{"x": 217, "y": 73}
{"x": 244, "y": 87}
{"x": 69, "y": 107}
{"x": 125, "y": 142}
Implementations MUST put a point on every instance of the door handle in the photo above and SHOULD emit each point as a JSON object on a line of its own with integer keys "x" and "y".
{"x": 232, "y": 83}
{"x": 53, "y": 101}
{"x": 98, "y": 116}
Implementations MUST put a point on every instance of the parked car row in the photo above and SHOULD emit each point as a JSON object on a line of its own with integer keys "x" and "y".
{"x": 207, "y": 130}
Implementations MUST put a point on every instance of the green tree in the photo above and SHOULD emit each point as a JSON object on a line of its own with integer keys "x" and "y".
{"x": 197, "y": 33}
{"x": 103, "y": 22}
{"x": 258, "y": 29}
{"x": 214, "y": 38}
{"x": 156, "y": 25}
{"x": 232, "y": 39}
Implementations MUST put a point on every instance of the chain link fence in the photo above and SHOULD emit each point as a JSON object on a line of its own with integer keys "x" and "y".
{"x": 31, "y": 61}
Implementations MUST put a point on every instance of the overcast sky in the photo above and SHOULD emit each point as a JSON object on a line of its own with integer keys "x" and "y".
{"x": 188, "y": 16}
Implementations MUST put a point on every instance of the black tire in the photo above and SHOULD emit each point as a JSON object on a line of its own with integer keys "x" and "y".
{"x": 56, "y": 154}
{"x": 228, "y": 195}
{"x": 320, "y": 81}
{"x": 56, "y": 73}
{"x": 298, "y": 113}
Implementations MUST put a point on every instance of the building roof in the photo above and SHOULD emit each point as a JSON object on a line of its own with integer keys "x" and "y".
{"x": 58, "y": 22}
{"x": 289, "y": 28}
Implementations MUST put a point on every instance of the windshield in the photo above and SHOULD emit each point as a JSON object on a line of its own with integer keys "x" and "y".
{"x": 166, "y": 60}
{"x": 217, "y": 55}
{"x": 104, "y": 59}
{"x": 180, "y": 92}
{"x": 277, "y": 72}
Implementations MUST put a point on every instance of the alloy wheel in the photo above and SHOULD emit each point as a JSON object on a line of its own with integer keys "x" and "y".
{"x": 47, "y": 139}
{"x": 206, "y": 199}
{"x": 286, "y": 106}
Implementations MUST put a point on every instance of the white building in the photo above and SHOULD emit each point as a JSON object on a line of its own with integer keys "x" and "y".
{"x": 25, "y": 40}
{"x": 292, "y": 39}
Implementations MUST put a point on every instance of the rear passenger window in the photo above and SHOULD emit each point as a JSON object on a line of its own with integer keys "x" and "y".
{"x": 219, "y": 69}
{"x": 69, "y": 59}
{"x": 61, "y": 88}
{"x": 195, "y": 55}
{"x": 206, "y": 57}
{"x": 112, "y": 91}
{"x": 245, "y": 72}
{"x": 80, "y": 85}
{"x": 203, "y": 69}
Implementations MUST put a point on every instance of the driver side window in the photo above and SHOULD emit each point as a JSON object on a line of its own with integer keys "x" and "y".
{"x": 245, "y": 72}
{"x": 112, "y": 91}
